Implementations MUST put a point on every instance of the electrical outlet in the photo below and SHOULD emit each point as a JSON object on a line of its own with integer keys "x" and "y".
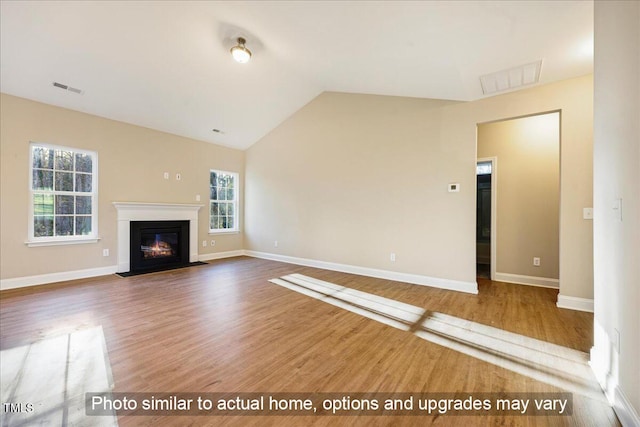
{"x": 536, "y": 261}
{"x": 197, "y": 197}
{"x": 392, "y": 257}
{"x": 105, "y": 252}
{"x": 213, "y": 243}
{"x": 166, "y": 175}
{"x": 275, "y": 244}
{"x": 204, "y": 243}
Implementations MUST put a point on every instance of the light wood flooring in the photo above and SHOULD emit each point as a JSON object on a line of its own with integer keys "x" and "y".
{"x": 223, "y": 327}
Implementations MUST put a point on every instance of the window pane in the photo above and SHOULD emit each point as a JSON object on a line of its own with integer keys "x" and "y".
{"x": 42, "y": 179}
{"x": 83, "y": 205}
{"x": 58, "y": 173}
{"x": 42, "y": 158}
{"x": 83, "y": 183}
{"x": 64, "y": 181}
{"x": 84, "y": 163}
{"x": 483, "y": 168}
{"x": 42, "y": 226}
{"x": 64, "y": 225}
{"x": 64, "y": 205}
{"x": 223, "y": 201}
{"x": 83, "y": 225}
{"x": 64, "y": 160}
{"x": 43, "y": 204}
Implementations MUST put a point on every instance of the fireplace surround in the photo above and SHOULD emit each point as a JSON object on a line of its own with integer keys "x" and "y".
{"x": 129, "y": 212}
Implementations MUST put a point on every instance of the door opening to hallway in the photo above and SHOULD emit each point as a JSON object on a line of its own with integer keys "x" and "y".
{"x": 483, "y": 218}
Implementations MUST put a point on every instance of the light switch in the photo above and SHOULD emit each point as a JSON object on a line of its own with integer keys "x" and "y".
{"x": 587, "y": 213}
{"x": 454, "y": 187}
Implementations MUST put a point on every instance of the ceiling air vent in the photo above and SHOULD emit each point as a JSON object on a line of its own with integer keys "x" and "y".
{"x": 69, "y": 88}
{"x": 512, "y": 78}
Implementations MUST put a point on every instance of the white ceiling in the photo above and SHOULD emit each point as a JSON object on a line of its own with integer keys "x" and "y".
{"x": 166, "y": 65}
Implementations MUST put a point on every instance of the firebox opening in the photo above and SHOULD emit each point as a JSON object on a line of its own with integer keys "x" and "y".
{"x": 159, "y": 245}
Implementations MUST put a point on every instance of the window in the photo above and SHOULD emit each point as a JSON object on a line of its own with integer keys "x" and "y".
{"x": 223, "y": 190}
{"x": 483, "y": 168}
{"x": 63, "y": 194}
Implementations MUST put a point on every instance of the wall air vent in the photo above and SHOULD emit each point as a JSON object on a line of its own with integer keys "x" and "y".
{"x": 69, "y": 88}
{"x": 512, "y": 78}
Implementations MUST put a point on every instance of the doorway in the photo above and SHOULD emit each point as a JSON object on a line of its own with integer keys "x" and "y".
{"x": 523, "y": 234}
{"x": 485, "y": 199}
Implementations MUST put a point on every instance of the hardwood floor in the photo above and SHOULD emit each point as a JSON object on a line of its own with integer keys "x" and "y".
{"x": 223, "y": 327}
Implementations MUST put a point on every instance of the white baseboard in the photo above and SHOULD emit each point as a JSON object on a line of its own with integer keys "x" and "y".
{"x": 520, "y": 279}
{"x": 605, "y": 363}
{"x": 416, "y": 279}
{"x": 43, "y": 279}
{"x": 454, "y": 285}
{"x": 220, "y": 255}
{"x": 624, "y": 410}
{"x": 575, "y": 303}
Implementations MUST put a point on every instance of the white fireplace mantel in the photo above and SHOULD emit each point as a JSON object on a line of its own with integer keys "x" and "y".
{"x": 139, "y": 211}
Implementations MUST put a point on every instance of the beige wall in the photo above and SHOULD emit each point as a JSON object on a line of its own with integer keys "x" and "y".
{"x": 351, "y": 178}
{"x": 617, "y": 176}
{"x": 131, "y": 163}
{"x": 528, "y": 192}
{"x": 348, "y": 179}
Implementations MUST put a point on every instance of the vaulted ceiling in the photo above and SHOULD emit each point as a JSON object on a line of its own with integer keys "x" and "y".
{"x": 166, "y": 65}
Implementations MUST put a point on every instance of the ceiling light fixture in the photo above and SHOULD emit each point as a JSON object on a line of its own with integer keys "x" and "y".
{"x": 240, "y": 53}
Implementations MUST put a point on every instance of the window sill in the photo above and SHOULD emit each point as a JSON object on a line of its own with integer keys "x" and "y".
{"x": 215, "y": 232}
{"x": 61, "y": 242}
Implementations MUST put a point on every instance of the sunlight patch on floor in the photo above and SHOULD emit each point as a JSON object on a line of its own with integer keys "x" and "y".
{"x": 53, "y": 376}
{"x": 552, "y": 364}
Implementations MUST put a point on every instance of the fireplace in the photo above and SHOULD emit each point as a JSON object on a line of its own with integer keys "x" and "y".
{"x": 158, "y": 245}
{"x": 130, "y": 212}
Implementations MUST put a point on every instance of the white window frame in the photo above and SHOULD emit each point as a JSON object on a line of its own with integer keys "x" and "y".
{"x": 236, "y": 197}
{"x": 63, "y": 240}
